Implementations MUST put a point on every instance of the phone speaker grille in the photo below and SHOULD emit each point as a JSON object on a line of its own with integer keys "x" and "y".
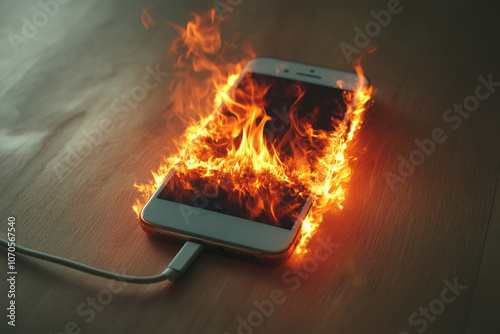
{"x": 309, "y": 75}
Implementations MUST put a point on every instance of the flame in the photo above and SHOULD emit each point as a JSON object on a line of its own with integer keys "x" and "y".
{"x": 146, "y": 19}
{"x": 225, "y": 147}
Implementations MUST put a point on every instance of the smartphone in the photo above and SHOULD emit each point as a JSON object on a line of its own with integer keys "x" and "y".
{"x": 210, "y": 212}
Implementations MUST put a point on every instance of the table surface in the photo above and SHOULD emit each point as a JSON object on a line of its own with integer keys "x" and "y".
{"x": 398, "y": 247}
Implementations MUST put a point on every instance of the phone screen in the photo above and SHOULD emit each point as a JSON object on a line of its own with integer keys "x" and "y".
{"x": 294, "y": 109}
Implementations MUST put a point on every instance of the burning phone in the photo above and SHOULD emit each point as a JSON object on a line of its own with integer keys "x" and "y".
{"x": 246, "y": 182}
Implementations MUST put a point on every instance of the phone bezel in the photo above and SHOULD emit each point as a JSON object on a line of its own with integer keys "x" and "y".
{"x": 165, "y": 218}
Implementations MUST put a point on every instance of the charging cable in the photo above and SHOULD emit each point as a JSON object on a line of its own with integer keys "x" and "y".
{"x": 188, "y": 253}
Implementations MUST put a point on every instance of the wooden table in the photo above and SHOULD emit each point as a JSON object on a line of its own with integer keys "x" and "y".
{"x": 398, "y": 247}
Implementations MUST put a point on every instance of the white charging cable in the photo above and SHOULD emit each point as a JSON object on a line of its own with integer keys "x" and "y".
{"x": 188, "y": 253}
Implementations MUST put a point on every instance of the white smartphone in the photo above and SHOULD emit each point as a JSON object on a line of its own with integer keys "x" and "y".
{"x": 181, "y": 212}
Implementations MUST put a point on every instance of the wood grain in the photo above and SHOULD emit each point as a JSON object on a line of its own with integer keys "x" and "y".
{"x": 394, "y": 248}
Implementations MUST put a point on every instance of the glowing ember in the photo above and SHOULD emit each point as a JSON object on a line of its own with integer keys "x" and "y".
{"x": 226, "y": 147}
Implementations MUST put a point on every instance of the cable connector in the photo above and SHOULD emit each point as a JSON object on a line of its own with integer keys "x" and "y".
{"x": 183, "y": 260}
{"x": 188, "y": 253}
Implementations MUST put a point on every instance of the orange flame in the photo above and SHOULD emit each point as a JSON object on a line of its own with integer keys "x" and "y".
{"x": 231, "y": 143}
{"x": 146, "y": 19}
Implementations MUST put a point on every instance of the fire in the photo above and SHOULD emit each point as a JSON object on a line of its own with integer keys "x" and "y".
{"x": 224, "y": 148}
{"x": 146, "y": 19}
